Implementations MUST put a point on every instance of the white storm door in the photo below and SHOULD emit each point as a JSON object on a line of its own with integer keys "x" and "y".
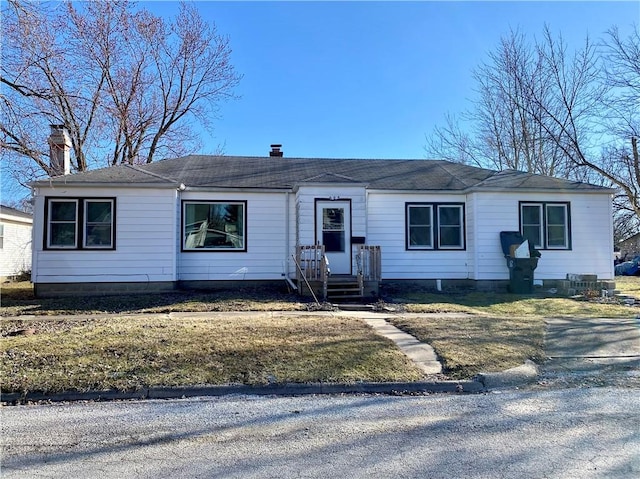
{"x": 333, "y": 230}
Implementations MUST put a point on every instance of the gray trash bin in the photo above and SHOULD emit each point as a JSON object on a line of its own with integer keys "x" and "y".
{"x": 520, "y": 269}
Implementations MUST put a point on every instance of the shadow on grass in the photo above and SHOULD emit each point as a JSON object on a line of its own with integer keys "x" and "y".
{"x": 459, "y": 297}
{"x": 21, "y": 300}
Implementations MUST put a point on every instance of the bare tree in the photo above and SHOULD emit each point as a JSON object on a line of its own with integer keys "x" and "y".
{"x": 594, "y": 114}
{"x": 545, "y": 108}
{"x": 502, "y": 130}
{"x": 128, "y": 85}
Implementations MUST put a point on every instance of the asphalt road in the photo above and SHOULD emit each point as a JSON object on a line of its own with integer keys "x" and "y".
{"x": 563, "y": 433}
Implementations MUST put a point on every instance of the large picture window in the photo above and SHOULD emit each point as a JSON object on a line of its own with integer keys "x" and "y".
{"x": 434, "y": 226}
{"x": 214, "y": 225}
{"x": 77, "y": 223}
{"x": 546, "y": 225}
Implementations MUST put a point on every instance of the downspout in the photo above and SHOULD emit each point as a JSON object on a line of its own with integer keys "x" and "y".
{"x": 611, "y": 242}
{"x": 176, "y": 222}
{"x": 287, "y": 241}
{"x": 286, "y": 232}
{"x": 35, "y": 228}
{"x": 471, "y": 241}
{"x": 366, "y": 215}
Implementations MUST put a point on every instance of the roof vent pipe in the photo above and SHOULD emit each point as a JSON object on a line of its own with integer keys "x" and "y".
{"x": 276, "y": 150}
{"x": 59, "y": 151}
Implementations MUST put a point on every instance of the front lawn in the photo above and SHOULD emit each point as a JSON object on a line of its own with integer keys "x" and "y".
{"x": 18, "y": 299}
{"x": 126, "y": 353}
{"x": 470, "y": 344}
{"x": 48, "y": 352}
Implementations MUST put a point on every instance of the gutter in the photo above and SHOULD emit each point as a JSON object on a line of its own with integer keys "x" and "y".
{"x": 496, "y": 189}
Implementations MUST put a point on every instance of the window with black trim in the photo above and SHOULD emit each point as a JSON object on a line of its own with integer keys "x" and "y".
{"x": 80, "y": 223}
{"x": 214, "y": 225}
{"x": 546, "y": 224}
{"x": 435, "y": 226}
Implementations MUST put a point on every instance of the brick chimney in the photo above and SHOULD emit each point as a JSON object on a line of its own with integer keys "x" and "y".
{"x": 60, "y": 151}
{"x": 275, "y": 150}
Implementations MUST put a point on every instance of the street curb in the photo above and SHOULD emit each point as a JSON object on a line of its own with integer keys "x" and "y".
{"x": 526, "y": 373}
{"x": 460, "y": 387}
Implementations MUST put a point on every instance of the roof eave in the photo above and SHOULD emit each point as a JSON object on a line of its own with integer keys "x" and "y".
{"x": 239, "y": 189}
{"x": 521, "y": 189}
{"x": 351, "y": 184}
{"x": 96, "y": 184}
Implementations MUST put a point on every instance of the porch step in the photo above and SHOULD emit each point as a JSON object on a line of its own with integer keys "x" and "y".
{"x": 343, "y": 288}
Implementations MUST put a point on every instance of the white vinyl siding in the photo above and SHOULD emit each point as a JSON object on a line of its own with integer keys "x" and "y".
{"x": 589, "y": 223}
{"x": 148, "y": 234}
{"x": 15, "y": 254}
{"x": 145, "y": 236}
{"x": 387, "y": 227}
{"x": 305, "y": 201}
{"x": 266, "y": 236}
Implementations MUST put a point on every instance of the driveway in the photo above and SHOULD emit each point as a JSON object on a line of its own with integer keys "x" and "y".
{"x": 592, "y": 352}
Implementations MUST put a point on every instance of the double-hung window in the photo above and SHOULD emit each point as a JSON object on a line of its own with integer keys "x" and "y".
{"x": 214, "y": 225}
{"x": 546, "y": 225}
{"x": 80, "y": 223}
{"x": 434, "y": 226}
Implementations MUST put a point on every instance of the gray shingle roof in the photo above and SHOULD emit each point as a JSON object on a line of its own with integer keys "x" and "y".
{"x": 7, "y": 210}
{"x": 285, "y": 173}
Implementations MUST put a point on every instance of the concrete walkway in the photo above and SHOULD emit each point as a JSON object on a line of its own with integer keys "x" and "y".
{"x": 593, "y": 340}
{"x": 592, "y": 352}
{"x": 421, "y": 354}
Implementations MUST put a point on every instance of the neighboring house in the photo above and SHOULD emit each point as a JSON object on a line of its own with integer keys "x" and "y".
{"x": 15, "y": 242}
{"x": 216, "y": 220}
{"x": 630, "y": 247}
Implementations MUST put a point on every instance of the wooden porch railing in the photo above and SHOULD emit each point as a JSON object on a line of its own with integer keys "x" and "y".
{"x": 369, "y": 262}
{"x": 313, "y": 265}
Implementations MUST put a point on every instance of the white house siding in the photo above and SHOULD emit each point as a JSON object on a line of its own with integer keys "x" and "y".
{"x": 386, "y": 227}
{"x": 145, "y": 240}
{"x": 306, "y": 197}
{"x": 471, "y": 222}
{"x": 266, "y": 237}
{"x": 591, "y": 234}
{"x": 15, "y": 254}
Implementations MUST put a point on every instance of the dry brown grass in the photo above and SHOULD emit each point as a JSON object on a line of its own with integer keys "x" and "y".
{"x": 128, "y": 353}
{"x": 629, "y": 285}
{"x": 509, "y": 305}
{"x": 18, "y": 299}
{"x": 471, "y": 344}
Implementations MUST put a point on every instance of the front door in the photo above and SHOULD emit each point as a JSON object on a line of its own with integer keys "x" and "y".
{"x": 333, "y": 230}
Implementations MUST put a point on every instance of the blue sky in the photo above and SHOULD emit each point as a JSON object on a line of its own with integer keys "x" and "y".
{"x": 366, "y": 79}
{"x": 369, "y": 79}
